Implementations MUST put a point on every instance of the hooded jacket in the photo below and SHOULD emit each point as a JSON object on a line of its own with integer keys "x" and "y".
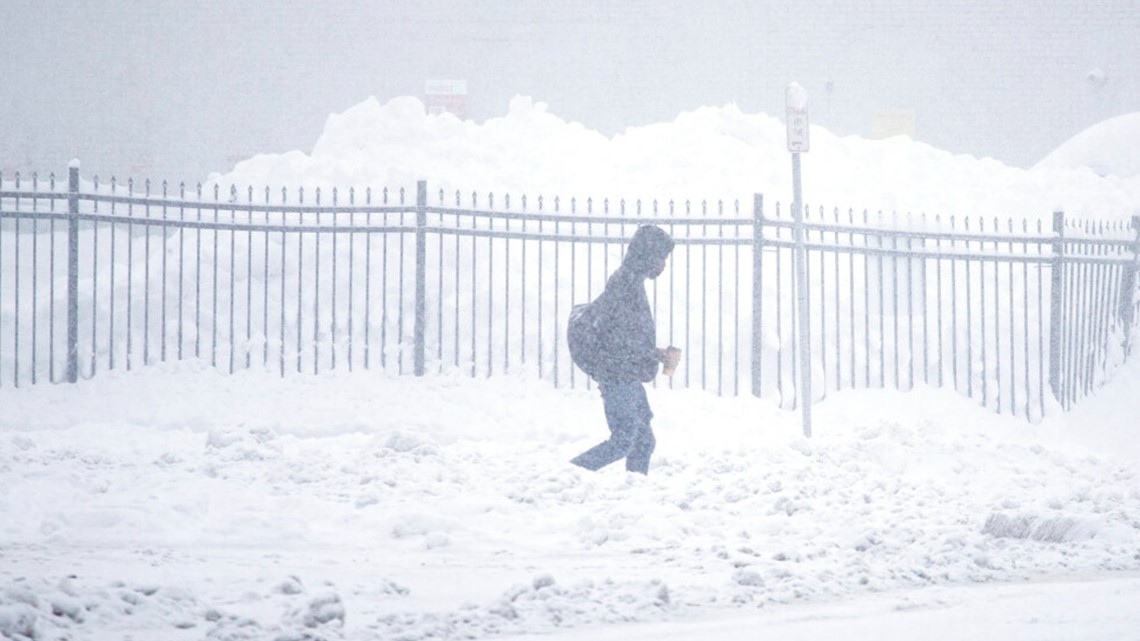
{"x": 629, "y": 335}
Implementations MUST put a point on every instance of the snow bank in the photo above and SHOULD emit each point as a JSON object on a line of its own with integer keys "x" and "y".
{"x": 709, "y": 153}
{"x": 1108, "y": 148}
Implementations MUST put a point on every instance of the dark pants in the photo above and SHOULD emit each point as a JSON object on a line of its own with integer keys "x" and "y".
{"x": 631, "y": 437}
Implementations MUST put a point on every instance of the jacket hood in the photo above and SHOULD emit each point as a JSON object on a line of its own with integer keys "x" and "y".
{"x": 649, "y": 245}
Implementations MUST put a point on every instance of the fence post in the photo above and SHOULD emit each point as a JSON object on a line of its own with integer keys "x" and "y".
{"x": 73, "y": 271}
{"x": 421, "y": 273}
{"x": 1056, "y": 315}
{"x": 757, "y": 288}
{"x": 1128, "y": 289}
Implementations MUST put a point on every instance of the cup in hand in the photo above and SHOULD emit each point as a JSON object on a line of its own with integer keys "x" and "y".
{"x": 672, "y": 358}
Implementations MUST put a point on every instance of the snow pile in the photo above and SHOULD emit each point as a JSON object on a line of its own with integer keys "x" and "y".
{"x": 1109, "y": 148}
{"x": 377, "y": 507}
{"x": 709, "y": 153}
{"x": 540, "y": 607}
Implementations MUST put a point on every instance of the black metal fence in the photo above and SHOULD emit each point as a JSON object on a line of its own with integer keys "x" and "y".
{"x": 1012, "y": 313}
{"x": 101, "y": 276}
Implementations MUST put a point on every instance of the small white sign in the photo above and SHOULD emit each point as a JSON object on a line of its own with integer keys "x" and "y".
{"x": 797, "y": 118}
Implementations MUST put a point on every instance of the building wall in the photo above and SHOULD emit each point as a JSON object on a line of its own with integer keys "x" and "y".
{"x": 177, "y": 89}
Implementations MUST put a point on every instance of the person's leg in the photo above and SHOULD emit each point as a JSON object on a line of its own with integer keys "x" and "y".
{"x": 620, "y": 403}
{"x": 644, "y": 441}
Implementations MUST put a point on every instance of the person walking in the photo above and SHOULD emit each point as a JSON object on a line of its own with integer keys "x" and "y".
{"x": 627, "y": 355}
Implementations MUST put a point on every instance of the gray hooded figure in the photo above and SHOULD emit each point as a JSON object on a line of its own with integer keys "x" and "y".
{"x": 629, "y": 355}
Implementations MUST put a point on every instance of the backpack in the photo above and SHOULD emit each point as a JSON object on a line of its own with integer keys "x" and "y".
{"x": 584, "y": 337}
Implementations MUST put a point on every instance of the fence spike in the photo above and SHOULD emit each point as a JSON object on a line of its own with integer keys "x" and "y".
{"x": 94, "y": 180}
{"x": 147, "y": 185}
{"x": 507, "y": 201}
{"x": 557, "y": 204}
{"x": 524, "y": 202}
{"x": 335, "y": 194}
{"x": 622, "y": 205}
{"x": 249, "y": 193}
{"x": 540, "y": 203}
{"x": 491, "y": 200}
{"x": 402, "y": 196}
{"x": 35, "y": 180}
{"x": 233, "y": 193}
{"x": 317, "y": 195}
{"x": 589, "y": 204}
{"x": 352, "y": 195}
{"x": 474, "y": 200}
{"x": 573, "y": 205}
{"x": 17, "y": 180}
{"x": 368, "y": 195}
{"x": 606, "y": 206}
{"x": 284, "y": 195}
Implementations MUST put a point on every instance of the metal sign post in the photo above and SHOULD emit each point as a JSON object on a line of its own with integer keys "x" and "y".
{"x": 797, "y": 114}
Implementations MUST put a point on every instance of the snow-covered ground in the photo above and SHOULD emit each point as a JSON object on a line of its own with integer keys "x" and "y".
{"x": 179, "y": 503}
{"x": 175, "y": 502}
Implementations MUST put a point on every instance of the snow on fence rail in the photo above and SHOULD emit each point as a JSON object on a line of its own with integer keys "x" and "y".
{"x": 111, "y": 276}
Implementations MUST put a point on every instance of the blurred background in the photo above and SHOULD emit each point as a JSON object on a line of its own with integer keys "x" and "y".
{"x": 177, "y": 89}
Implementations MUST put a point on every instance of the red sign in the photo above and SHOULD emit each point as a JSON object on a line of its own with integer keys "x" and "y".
{"x": 446, "y": 96}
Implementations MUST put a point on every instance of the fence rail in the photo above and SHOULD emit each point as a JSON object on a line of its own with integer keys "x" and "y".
{"x": 101, "y": 277}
